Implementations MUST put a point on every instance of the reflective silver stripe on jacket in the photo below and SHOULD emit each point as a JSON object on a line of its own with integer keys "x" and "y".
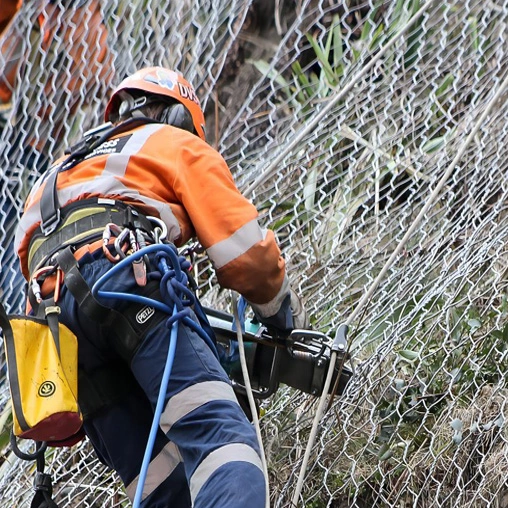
{"x": 237, "y": 244}
{"x": 235, "y": 452}
{"x": 108, "y": 183}
{"x": 160, "y": 468}
{"x": 272, "y": 307}
{"x": 192, "y": 398}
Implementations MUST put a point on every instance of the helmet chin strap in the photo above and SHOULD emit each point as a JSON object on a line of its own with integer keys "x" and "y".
{"x": 129, "y": 107}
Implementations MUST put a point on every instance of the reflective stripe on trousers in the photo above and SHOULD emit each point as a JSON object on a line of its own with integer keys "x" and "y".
{"x": 206, "y": 453}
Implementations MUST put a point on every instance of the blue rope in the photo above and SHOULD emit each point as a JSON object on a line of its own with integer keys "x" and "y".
{"x": 174, "y": 288}
{"x": 178, "y": 284}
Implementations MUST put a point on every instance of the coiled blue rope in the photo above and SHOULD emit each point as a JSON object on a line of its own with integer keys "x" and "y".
{"x": 174, "y": 288}
{"x": 178, "y": 285}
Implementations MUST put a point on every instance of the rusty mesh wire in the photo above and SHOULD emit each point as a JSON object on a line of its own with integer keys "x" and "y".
{"x": 337, "y": 119}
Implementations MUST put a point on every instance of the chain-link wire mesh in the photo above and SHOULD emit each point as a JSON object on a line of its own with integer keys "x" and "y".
{"x": 338, "y": 119}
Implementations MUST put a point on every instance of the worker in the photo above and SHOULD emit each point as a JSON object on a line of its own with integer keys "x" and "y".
{"x": 152, "y": 160}
{"x": 64, "y": 62}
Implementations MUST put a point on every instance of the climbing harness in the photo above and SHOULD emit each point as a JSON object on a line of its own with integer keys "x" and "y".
{"x": 83, "y": 223}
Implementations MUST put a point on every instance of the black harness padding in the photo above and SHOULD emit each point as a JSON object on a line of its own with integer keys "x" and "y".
{"x": 49, "y": 205}
{"x": 77, "y": 227}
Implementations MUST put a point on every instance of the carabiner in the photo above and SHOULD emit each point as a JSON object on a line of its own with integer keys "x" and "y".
{"x": 159, "y": 237}
{"x": 106, "y": 237}
{"x": 36, "y": 287}
{"x": 34, "y": 283}
{"x": 119, "y": 243}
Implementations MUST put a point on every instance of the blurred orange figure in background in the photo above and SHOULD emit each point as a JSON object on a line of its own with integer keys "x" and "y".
{"x": 66, "y": 54}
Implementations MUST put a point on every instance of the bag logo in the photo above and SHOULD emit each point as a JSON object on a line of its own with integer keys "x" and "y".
{"x": 47, "y": 389}
{"x": 145, "y": 314}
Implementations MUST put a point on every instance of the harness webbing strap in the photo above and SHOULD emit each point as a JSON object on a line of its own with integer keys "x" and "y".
{"x": 51, "y": 311}
{"x": 50, "y": 208}
{"x": 125, "y": 337}
{"x": 8, "y": 334}
{"x": 126, "y": 332}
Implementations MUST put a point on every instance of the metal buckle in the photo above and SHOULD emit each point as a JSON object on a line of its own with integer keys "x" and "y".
{"x": 51, "y": 224}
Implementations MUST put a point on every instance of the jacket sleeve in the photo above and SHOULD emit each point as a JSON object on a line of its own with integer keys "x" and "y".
{"x": 246, "y": 257}
{"x": 8, "y": 9}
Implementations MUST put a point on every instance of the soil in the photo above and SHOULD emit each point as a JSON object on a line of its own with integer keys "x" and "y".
{"x": 257, "y": 39}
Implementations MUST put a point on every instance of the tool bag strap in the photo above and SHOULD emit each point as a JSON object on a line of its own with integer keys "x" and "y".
{"x": 5, "y": 325}
{"x": 43, "y": 485}
{"x": 126, "y": 331}
{"x": 126, "y": 338}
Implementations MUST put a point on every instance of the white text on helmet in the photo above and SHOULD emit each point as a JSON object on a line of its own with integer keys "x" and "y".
{"x": 188, "y": 93}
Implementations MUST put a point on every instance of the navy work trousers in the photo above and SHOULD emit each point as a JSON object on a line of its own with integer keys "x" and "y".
{"x": 206, "y": 452}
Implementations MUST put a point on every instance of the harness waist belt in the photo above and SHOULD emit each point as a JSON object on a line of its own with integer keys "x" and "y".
{"x": 83, "y": 222}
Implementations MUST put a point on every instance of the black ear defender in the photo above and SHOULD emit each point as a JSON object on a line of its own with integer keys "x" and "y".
{"x": 179, "y": 116}
{"x": 175, "y": 113}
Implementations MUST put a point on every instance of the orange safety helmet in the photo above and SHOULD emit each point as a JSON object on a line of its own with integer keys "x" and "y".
{"x": 163, "y": 82}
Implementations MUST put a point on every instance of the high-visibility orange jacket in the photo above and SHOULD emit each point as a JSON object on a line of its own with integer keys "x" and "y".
{"x": 168, "y": 172}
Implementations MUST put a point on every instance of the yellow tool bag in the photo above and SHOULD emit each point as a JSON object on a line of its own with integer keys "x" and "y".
{"x": 42, "y": 363}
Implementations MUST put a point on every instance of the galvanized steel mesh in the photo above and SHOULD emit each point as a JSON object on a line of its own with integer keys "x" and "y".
{"x": 423, "y": 423}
